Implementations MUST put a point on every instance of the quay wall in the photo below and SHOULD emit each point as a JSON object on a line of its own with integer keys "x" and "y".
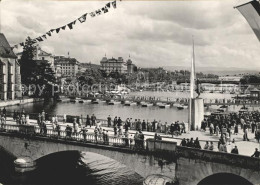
{"x": 19, "y": 102}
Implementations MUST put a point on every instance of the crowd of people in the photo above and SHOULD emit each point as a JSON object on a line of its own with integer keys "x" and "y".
{"x": 176, "y": 128}
{"x": 222, "y": 125}
{"x": 225, "y": 125}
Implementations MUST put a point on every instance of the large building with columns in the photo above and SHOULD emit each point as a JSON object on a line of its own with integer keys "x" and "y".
{"x": 10, "y": 77}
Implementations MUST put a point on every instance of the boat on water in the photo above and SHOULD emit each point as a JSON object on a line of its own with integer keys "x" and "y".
{"x": 145, "y": 104}
{"x": 164, "y": 105}
{"x": 223, "y": 106}
{"x": 182, "y": 106}
{"x": 94, "y": 101}
{"x": 81, "y": 101}
{"x": 127, "y": 103}
{"x": 113, "y": 102}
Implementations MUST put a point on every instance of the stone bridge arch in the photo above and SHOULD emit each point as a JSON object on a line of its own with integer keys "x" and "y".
{"x": 143, "y": 163}
{"x": 224, "y": 178}
{"x": 194, "y": 172}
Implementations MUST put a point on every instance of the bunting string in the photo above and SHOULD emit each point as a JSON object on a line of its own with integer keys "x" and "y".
{"x": 70, "y": 25}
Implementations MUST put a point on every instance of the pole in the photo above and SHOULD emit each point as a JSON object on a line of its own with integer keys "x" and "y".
{"x": 192, "y": 78}
{"x": 0, "y": 15}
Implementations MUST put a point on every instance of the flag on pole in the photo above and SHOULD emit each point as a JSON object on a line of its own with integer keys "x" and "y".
{"x": 251, "y": 12}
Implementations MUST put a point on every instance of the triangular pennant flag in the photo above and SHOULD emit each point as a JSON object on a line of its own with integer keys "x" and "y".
{"x": 44, "y": 36}
{"x": 39, "y": 39}
{"x": 49, "y": 33}
{"x": 63, "y": 27}
{"x": 114, "y": 4}
{"x": 92, "y": 14}
{"x": 70, "y": 25}
{"x": 57, "y": 30}
{"x": 21, "y": 44}
{"x": 34, "y": 41}
{"x": 52, "y": 30}
{"x": 104, "y": 9}
{"x": 108, "y": 5}
{"x": 82, "y": 18}
{"x": 98, "y": 12}
{"x": 74, "y": 22}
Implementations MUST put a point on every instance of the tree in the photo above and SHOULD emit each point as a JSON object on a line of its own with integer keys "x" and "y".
{"x": 38, "y": 74}
{"x": 27, "y": 63}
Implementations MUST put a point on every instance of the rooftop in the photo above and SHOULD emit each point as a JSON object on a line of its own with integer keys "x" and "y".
{"x": 5, "y": 48}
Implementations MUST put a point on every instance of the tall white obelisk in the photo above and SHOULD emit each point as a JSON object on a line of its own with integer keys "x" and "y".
{"x": 196, "y": 105}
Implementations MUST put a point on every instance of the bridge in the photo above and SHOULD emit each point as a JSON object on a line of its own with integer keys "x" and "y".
{"x": 171, "y": 101}
{"x": 187, "y": 166}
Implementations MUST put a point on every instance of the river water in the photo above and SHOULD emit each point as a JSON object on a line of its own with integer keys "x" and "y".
{"x": 102, "y": 110}
{"x": 88, "y": 168}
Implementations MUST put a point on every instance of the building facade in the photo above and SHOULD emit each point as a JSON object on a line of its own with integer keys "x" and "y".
{"x": 10, "y": 77}
{"x": 40, "y": 54}
{"x": 66, "y": 67}
{"x": 131, "y": 68}
{"x": 113, "y": 65}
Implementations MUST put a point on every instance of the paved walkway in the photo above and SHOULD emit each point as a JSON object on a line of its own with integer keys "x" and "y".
{"x": 244, "y": 147}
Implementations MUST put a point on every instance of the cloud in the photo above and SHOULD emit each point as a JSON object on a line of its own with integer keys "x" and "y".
{"x": 154, "y": 33}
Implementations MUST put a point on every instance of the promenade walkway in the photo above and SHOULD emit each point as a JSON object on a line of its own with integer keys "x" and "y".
{"x": 245, "y": 147}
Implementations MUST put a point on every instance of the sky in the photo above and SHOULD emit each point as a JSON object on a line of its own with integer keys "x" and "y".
{"x": 152, "y": 33}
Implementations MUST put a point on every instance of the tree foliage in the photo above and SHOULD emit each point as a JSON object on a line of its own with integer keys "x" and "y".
{"x": 36, "y": 74}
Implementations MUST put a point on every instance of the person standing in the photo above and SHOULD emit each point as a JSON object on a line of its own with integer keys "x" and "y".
{"x": 211, "y": 146}
{"x": 206, "y": 147}
{"x": 234, "y": 150}
{"x": 245, "y": 134}
{"x": 4, "y": 112}
{"x": 64, "y": 118}
{"x": 256, "y": 154}
{"x": 43, "y": 115}
{"x": 115, "y": 121}
{"x": 120, "y": 126}
{"x": 109, "y": 121}
{"x": 93, "y": 120}
{"x": 88, "y": 121}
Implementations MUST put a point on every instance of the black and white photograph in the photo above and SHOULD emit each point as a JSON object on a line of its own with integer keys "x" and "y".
{"x": 130, "y": 92}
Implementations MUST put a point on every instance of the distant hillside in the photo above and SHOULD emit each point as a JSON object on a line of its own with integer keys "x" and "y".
{"x": 217, "y": 71}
